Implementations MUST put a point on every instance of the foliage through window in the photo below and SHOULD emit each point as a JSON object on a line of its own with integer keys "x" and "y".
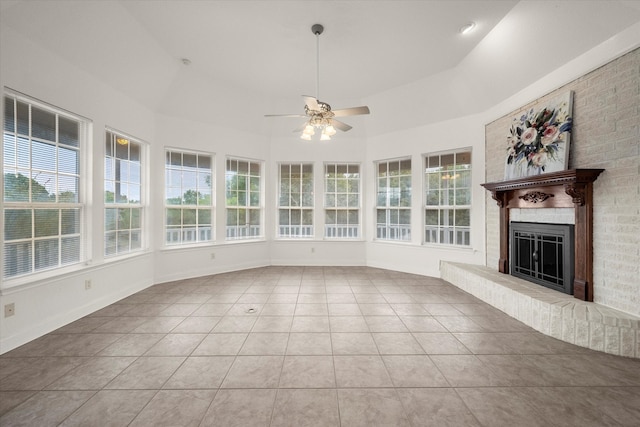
{"x": 243, "y": 198}
{"x": 393, "y": 205}
{"x": 342, "y": 201}
{"x": 188, "y": 197}
{"x": 448, "y": 198}
{"x": 43, "y": 209}
{"x": 295, "y": 207}
{"x": 122, "y": 194}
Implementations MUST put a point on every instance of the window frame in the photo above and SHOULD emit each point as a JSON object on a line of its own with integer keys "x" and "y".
{"x": 81, "y": 223}
{"x": 181, "y": 242}
{"x": 306, "y": 211}
{"x": 439, "y": 228}
{"x": 402, "y": 230}
{"x": 141, "y": 205}
{"x": 350, "y": 234}
{"x": 248, "y": 227}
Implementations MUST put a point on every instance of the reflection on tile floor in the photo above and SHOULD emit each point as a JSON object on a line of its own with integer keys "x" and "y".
{"x": 323, "y": 346}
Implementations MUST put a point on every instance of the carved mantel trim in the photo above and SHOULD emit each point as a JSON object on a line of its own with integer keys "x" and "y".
{"x": 566, "y": 189}
{"x": 535, "y": 197}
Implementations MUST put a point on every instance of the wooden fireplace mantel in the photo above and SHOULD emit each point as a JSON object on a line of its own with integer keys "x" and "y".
{"x": 566, "y": 189}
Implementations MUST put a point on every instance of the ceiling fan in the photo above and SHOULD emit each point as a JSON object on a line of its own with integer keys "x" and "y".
{"x": 319, "y": 114}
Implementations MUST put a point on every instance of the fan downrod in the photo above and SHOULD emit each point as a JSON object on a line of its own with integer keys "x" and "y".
{"x": 317, "y": 29}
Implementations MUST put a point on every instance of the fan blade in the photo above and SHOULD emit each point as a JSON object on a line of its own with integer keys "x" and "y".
{"x": 301, "y": 128}
{"x": 354, "y": 111}
{"x": 311, "y": 103}
{"x": 340, "y": 125}
{"x": 285, "y": 115}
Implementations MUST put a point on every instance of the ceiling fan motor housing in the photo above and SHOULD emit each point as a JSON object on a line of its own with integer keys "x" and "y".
{"x": 323, "y": 108}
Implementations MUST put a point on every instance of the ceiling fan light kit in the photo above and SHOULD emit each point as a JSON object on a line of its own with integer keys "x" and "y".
{"x": 319, "y": 114}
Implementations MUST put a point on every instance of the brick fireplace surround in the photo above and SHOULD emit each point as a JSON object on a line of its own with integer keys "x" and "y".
{"x": 572, "y": 319}
{"x": 606, "y": 118}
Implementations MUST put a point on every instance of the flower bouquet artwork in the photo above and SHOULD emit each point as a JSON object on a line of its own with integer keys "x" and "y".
{"x": 538, "y": 140}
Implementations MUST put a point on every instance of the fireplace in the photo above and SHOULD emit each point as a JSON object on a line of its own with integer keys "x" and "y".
{"x": 566, "y": 189}
{"x": 543, "y": 254}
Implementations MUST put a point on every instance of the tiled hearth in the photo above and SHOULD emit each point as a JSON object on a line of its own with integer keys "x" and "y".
{"x": 555, "y": 314}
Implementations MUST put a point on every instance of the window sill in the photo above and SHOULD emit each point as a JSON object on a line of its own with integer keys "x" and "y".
{"x": 209, "y": 245}
{"x": 243, "y": 241}
{"x": 448, "y": 247}
{"x": 394, "y": 242}
{"x": 169, "y": 248}
{"x": 122, "y": 257}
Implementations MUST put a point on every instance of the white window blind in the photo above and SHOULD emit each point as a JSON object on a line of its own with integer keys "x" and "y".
{"x": 43, "y": 210}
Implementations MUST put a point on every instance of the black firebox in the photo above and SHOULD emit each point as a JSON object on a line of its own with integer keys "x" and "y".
{"x": 543, "y": 254}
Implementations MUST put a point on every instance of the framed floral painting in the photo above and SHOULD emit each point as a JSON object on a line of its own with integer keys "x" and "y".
{"x": 538, "y": 139}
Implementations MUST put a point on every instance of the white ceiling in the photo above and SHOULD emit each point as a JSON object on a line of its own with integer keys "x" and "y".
{"x": 258, "y": 57}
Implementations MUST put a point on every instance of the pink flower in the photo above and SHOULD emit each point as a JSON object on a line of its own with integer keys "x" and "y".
{"x": 529, "y": 136}
{"x": 549, "y": 135}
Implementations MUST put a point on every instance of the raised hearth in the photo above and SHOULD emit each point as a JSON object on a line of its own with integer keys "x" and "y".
{"x": 561, "y": 316}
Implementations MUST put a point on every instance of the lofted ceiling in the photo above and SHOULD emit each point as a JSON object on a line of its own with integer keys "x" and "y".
{"x": 249, "y": 58}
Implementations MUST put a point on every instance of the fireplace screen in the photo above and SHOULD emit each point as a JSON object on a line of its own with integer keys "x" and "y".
{"x": 543, "y": 254}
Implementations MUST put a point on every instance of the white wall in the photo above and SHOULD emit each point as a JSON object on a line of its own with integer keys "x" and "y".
{"x": 48, "y": 303}
{"x": 174, "y": 263}
{"x": 414, "y": 257}
{"x": 343, "y": 148}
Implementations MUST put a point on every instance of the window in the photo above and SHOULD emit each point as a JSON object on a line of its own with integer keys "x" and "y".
{"x": 393, "y": 205}
{"x": 342, "y": 201}
{"x": 243, "y": 193}
{"x": 188, "y": 198}
{"x": 295, "y": 207}
{"x": 448, "y": 198}
{"x": 43, "y": 210}
{"x": 122, "y": 194}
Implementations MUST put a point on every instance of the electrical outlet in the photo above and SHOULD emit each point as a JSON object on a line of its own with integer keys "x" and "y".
{"x": 213, "y": 255}
{"x": 87, "y": 284}
{"x": 9, "y": 309}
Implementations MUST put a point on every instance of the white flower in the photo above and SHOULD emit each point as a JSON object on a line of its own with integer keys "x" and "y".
{"x": 529, "y": 136}
{"x": 539, "y": 159}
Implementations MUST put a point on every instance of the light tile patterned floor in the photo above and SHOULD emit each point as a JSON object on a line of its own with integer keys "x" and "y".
{"x": 323, "y": 346}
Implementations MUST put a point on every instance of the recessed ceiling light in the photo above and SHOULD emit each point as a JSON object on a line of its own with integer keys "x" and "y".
{"x": 467, "y": 28}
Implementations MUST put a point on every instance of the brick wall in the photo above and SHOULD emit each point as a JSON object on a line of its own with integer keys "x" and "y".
{"x": 606, "y": 134}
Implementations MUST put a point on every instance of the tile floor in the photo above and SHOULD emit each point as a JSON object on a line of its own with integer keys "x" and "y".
{"x": 324, "y": 346}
